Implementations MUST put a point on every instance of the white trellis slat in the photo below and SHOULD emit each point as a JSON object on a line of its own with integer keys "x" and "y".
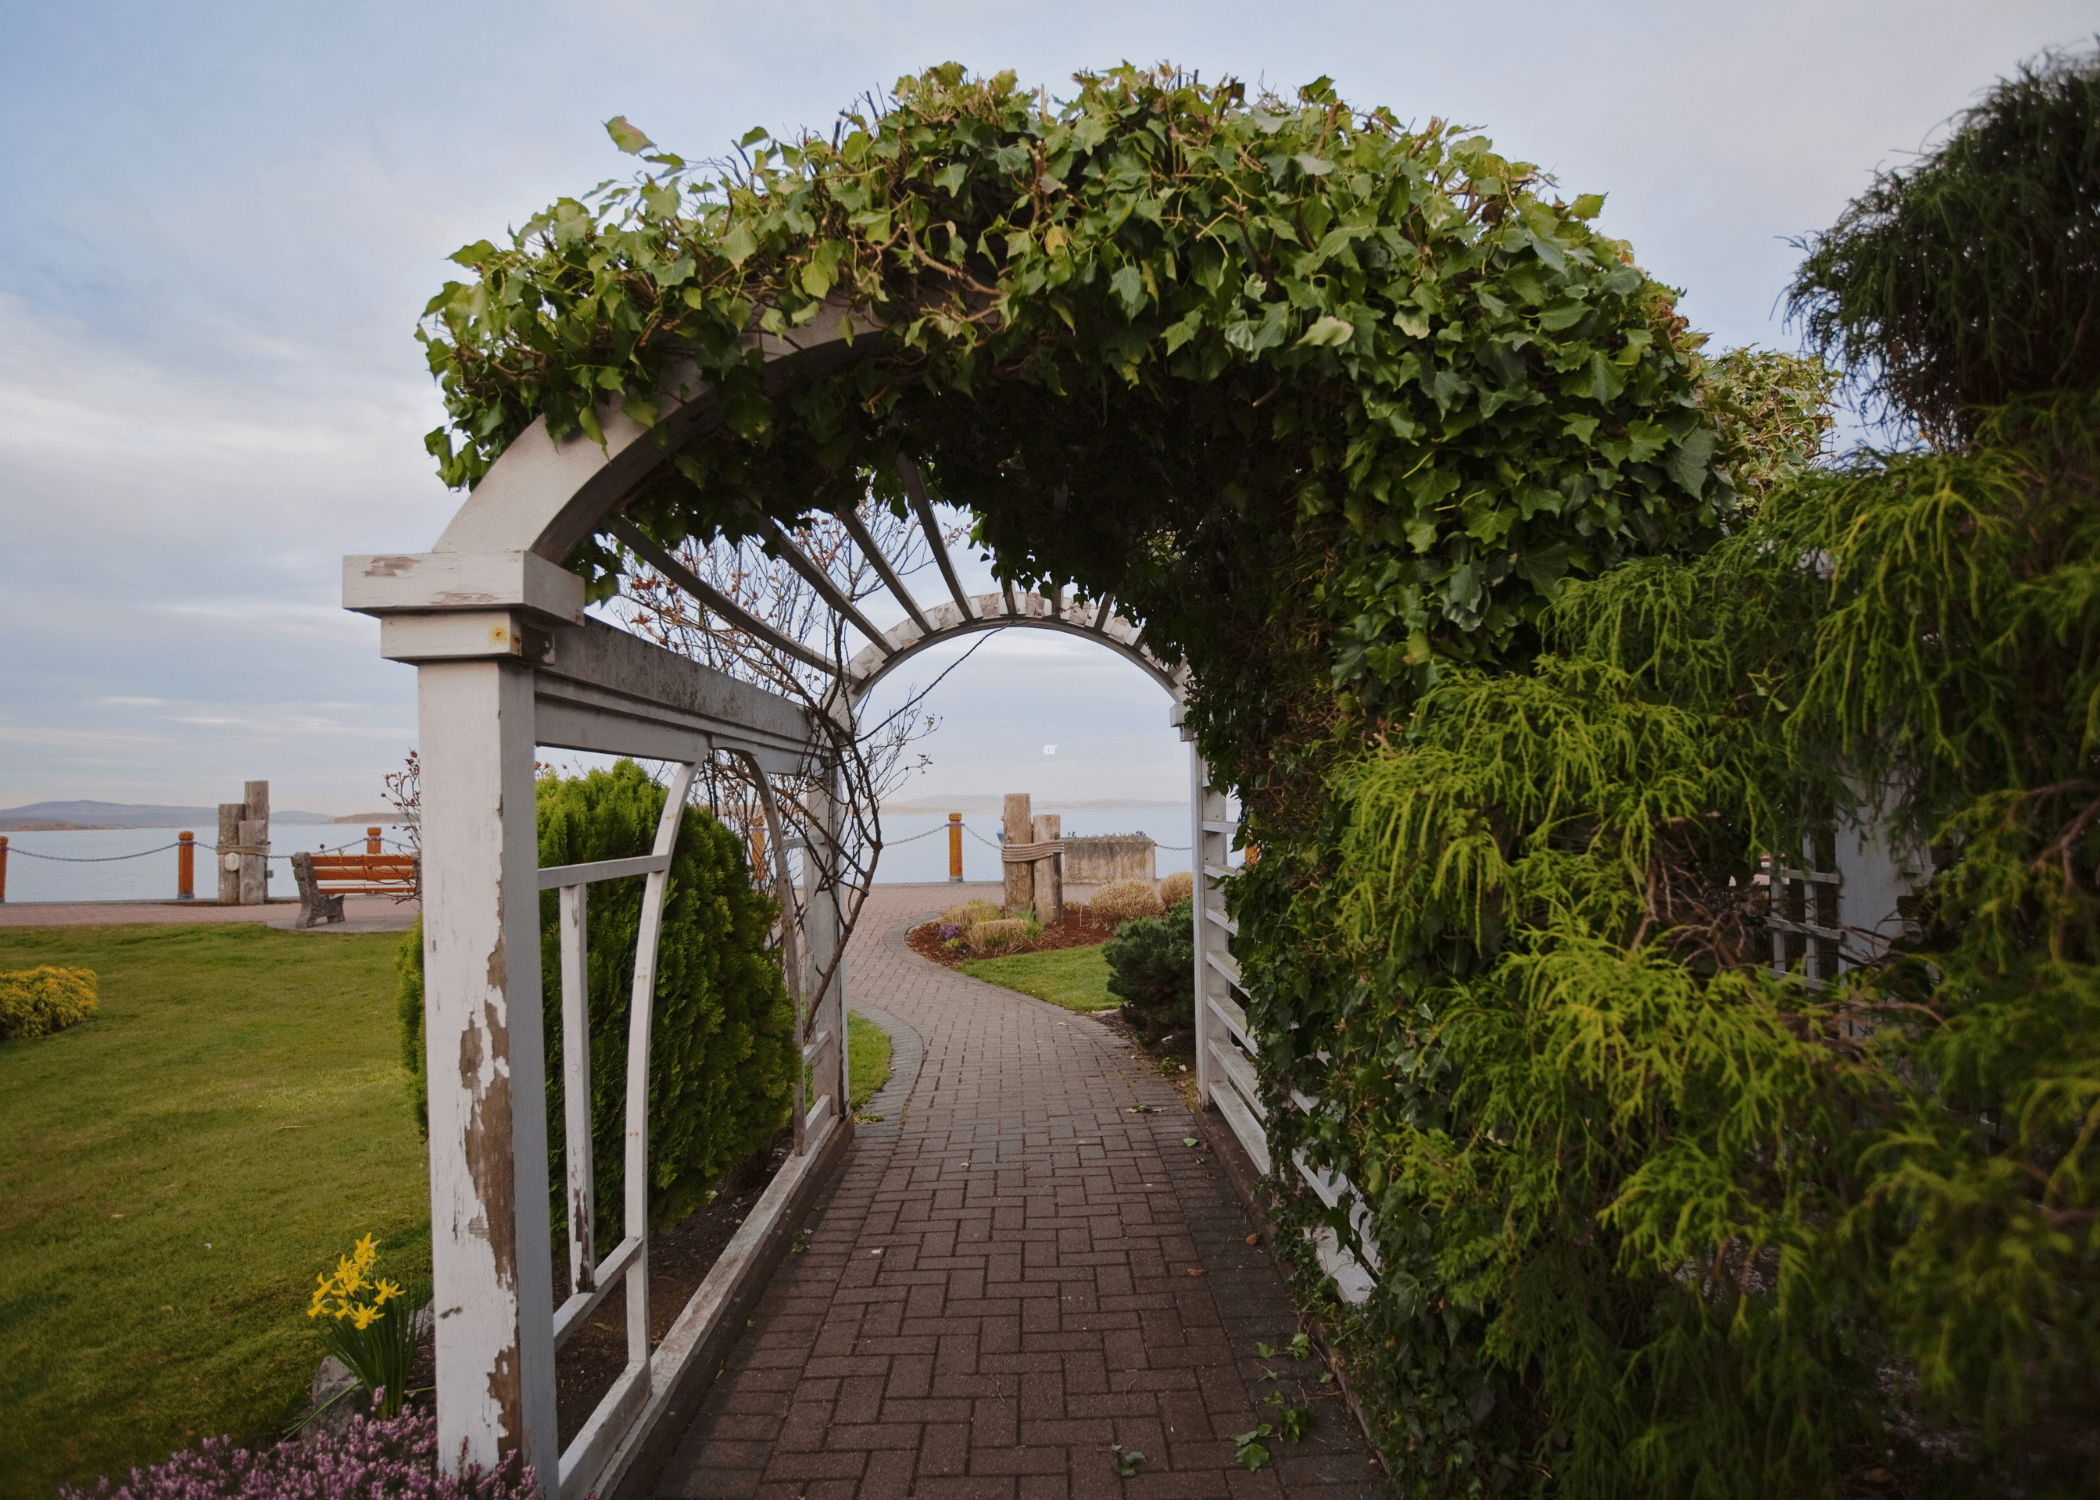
{"x": 628, "y": 1266}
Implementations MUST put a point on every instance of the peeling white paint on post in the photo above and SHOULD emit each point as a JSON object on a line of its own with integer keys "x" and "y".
{"x": 490, "y": 1243}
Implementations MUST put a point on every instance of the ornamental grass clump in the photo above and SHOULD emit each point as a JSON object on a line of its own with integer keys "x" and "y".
{"x": 391, "y": 1459}
{"x": 967, "y": 914}
{"x": 366, "y": 1322}
{"x": 1121, "y": 901}
{"x": 999, "y": 934}
{"x": 39, "y": 1001}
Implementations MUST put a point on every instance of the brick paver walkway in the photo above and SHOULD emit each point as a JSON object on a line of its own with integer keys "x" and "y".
{"x": 1017, "y": 1269}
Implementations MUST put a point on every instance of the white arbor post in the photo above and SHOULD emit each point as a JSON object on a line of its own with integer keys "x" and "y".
{"x": 1225, "y": 1075}
{"x": 489, "y": 1222}
{"x": 823, "y": 1040}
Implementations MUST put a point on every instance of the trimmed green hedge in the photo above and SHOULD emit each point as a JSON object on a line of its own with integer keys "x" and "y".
{"x": 721, "y": 1061}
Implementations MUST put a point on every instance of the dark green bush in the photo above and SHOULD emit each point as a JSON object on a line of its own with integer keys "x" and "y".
{"x": 1973, "y": 276}
{"x": 1151, "y": 969}
{"x": 722, "y": 1044}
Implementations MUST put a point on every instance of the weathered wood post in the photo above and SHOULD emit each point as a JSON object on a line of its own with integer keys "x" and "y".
{"x": 255, "y": 844}
{"x": 230, "y": 815}
{"x": 1019, "y": 828}
{"x": 490, "y": 1246}
{"x": 955, "y": 847}
{"x": 186, "y": 866}
{"x": 1050, "y": 872}
{"x": 755, "y": 829}
{"x": 371, "y": 842}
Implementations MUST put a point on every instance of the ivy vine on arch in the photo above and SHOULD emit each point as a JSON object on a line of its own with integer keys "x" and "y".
{"x": 1328, "y": 403}
{"x": 1246, "y": 365}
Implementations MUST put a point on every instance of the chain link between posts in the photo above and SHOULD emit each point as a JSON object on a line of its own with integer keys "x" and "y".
{"x": 104, "y": 859}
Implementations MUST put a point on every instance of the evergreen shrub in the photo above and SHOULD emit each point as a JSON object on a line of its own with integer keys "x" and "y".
{"x": 1151, "y": 970}
{"x": 1972, "y": 276}
{"x": 1521, "y": 635}
{"x": 722, "y": 1048}
{"x": 39, "y": 1001}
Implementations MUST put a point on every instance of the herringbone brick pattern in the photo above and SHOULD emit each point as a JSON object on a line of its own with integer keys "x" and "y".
{"x": 1021, "y": 1265}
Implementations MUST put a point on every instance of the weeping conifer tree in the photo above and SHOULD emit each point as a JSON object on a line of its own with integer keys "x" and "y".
{"x": 1973, "y": 276}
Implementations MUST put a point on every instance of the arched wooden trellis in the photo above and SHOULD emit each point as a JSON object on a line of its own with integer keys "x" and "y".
{"x": 508, "y": 662}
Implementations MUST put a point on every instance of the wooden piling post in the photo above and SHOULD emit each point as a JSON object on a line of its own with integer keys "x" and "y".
{"x": 186, "y": 866}
{"x": 230, "y": 815}
{"x": 955, "y": 847}
{"x": 1050, "y": 872}
{"x": 255, "y": 841}
{"x": 1019, "y": 828}
{"x": 755, "y": 829}
{"x": 372, "y": 841}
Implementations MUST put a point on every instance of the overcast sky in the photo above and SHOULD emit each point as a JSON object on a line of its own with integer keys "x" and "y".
{"x": 224, "y": 220}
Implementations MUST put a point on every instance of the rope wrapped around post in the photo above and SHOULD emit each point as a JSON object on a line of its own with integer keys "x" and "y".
{"x": 1028, "y": 854}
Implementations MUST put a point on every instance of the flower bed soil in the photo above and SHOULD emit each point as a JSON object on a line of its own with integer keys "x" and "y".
{"x": 1079, "y": 930}
{"x": 679, "y": 1260}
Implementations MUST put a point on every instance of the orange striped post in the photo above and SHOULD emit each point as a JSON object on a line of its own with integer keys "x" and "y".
{"x": 955, "y": 847}
{"x": 186, "y": 865}
{"x": 756, "y": 827}
{"x": 371, "y": 841}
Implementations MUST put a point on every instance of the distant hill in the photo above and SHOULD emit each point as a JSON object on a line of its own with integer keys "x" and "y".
{"x": 133, "y": 815}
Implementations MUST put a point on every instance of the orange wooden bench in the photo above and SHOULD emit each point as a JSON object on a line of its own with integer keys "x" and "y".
{"x": 325, "y": 879}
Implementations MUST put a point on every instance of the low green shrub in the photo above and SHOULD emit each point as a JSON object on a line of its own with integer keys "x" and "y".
{"x": 39, "y": 1001}
{"x": 1152, "y": 971}
{"x": 721, "y": 1052}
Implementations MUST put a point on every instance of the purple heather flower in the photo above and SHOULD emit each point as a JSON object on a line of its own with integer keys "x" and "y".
{"x": 394, "y": 1459}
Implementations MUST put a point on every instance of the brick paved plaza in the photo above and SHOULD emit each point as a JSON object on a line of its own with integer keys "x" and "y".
{"x": 1016, "y": 1269}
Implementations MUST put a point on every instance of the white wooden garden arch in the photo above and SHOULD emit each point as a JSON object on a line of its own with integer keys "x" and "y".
{"x": 507, "y": 662}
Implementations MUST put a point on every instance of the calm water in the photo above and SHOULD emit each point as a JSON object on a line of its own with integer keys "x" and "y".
{"x": 151, "y": 877}
{"x": 915, "y": 848}
{"x": 926, "y": 858}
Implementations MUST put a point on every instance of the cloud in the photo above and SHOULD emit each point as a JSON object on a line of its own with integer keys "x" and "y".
{"x": 209, "y": 390}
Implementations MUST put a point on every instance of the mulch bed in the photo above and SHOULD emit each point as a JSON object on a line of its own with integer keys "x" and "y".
{"x": 1080, "y": 930}
{"x": 679, "y": 1260}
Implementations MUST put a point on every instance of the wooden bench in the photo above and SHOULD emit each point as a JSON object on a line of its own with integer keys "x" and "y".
{"x": 325, "y": 879}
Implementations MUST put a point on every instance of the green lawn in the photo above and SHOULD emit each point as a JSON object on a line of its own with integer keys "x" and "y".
{"x": 867, "y": 1058}
{"x": 1076, "y": 978}
{"x": 175, "y": 1172}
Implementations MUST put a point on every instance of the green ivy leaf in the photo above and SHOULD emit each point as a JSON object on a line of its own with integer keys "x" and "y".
{"x": 626, "y": 137}
{"x": 1128, "y": 288}
{"x": 1326, "y": 333}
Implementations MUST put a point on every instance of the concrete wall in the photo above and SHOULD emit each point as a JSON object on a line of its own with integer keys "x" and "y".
{"x": 1106, "y": 857}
